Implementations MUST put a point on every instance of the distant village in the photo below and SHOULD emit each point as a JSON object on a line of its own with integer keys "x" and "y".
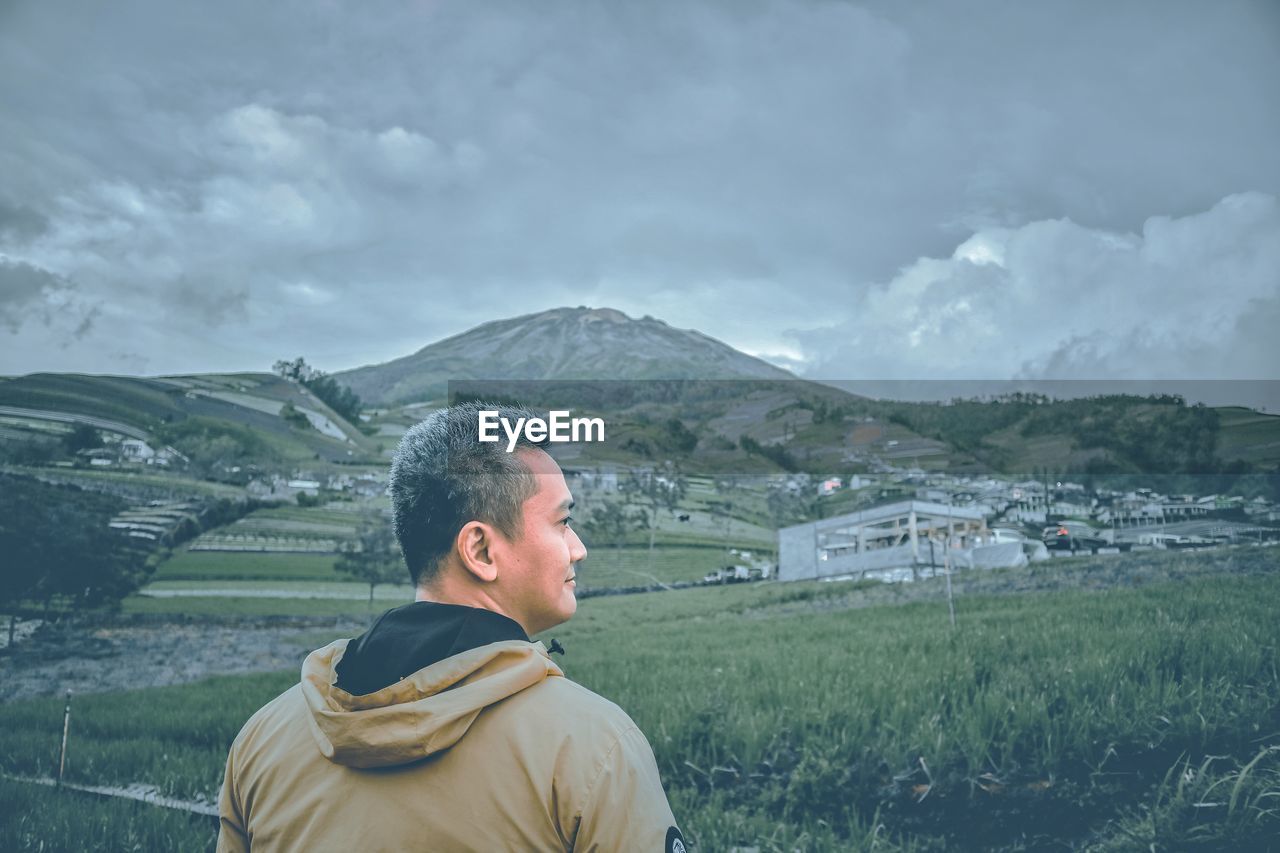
{"x": 915, "y": 521}
{"x": 940, "y": 520}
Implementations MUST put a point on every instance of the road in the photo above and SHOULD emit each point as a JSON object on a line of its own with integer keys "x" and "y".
{"x": 68, "y": 418}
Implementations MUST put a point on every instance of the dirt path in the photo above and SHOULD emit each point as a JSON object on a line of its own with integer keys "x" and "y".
{"x": 124, "y": 655}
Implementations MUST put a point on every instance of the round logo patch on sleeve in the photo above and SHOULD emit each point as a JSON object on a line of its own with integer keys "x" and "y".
{"x": 675, "y": 842}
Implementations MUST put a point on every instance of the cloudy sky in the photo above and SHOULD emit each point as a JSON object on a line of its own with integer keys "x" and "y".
{"x": 849, "y": 189}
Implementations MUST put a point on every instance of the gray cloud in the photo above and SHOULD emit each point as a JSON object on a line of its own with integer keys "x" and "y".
{"x": 208, "y": 305}
{"x": 85, "y": 326}
{"x": 19, "y": 223}
{"x": 354, "y": 183}
{"x": 27, "y": 290}
{"x": 1185, "y": 298}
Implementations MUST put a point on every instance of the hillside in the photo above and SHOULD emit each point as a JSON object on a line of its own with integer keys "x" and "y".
{"x": 563, "y": 343}
{"x": 1107, "y": 434}
{"x": 249, "y": 409}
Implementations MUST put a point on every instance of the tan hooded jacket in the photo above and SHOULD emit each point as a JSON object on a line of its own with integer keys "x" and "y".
{"x": 488, "y": 750}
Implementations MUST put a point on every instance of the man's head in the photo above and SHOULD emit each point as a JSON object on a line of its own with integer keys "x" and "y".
{"x": 481, "y": 526}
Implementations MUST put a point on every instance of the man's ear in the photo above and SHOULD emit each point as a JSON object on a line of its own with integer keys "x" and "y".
{"x": 474, "y": 545}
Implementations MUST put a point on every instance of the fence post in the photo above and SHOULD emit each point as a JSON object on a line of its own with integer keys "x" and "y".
{"x": 66, "y": 726}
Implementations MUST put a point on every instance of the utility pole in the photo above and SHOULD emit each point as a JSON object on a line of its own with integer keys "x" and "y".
{"x": 946, "y": 566}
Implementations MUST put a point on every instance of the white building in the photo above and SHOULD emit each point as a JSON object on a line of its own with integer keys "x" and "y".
{"x": 134, "y": 450}
{"x": 895, "y": 536}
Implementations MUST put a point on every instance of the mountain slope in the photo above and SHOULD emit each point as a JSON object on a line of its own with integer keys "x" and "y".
{"x": 156, "y": 408}
{"x": 563, "y": 343}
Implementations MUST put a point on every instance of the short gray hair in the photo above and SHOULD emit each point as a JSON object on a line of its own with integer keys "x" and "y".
{"x": 443, "y": 476}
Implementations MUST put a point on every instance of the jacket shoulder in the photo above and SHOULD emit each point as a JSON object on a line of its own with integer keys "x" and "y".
{"x": 581, "y": 706}
{"x": 283, "y": 713}
{"x": 579, "y": 722}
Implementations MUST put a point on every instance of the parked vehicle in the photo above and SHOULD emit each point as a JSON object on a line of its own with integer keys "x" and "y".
{"x": 1072, "y": 536}
{"x": 729, "y": 574}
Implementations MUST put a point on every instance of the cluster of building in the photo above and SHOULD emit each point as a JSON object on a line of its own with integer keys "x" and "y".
{"x": 131, "y": 452}
{"x": 940, "y": 520}
{"x": 366, "y": 484}
{"x": 1034, "y": 502}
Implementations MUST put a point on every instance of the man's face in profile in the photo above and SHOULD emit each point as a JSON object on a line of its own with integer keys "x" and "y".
{"x": 540, "y": 561}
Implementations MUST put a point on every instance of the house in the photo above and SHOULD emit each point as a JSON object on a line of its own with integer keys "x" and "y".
{"x": 1133, "y": 509}
{"x": 1030, "y": 504}
{"x": 1182, "y": 507}
{"x": 309, "y": 487}
{"x": 98, "y": 457}
{"x": 369, "y": 486}
{"x": 135, "y": 450}
{"x": 602, "y": 478}
{"x": 1072, "y": 508}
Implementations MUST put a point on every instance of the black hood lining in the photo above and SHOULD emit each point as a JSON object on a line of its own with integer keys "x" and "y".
{"x": 406, "y": 639}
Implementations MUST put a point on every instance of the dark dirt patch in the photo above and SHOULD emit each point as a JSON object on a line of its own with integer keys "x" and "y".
{"x": 92, "y": 656}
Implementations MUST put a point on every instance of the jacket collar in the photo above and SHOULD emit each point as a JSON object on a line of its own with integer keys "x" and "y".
{"x": 406, "y": 639}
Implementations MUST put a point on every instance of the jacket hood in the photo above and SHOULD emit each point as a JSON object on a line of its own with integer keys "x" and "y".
{"x": 455, "y": 669}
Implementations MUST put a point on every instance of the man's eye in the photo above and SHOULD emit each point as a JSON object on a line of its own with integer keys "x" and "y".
{"x": 567, "y": 519}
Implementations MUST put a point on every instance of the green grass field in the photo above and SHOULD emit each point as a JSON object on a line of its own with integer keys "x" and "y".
{"x": 605, "y": 567}
{"x": 1249, "y": 435}
{"x": 231, "y": 606}
{"x": 140, "y": 482}
{"x": 335, "y": 588}
{"x": 36, "y": 818}
{"x": 337, "y": 514}
{"x": 1113, "y": 719}
{"x": 241, "y": 565}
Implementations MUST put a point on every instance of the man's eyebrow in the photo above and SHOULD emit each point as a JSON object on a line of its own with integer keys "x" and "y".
{"x": 567, "y": 503}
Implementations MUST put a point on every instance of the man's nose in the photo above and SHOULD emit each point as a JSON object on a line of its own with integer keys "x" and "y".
{"x": 577, "y": 550}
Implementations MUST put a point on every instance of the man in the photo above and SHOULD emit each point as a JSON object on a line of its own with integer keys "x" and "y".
{"x": 444, "y": 727}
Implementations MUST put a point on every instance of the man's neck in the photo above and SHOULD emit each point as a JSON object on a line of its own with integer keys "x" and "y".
{"x": 447, "y": 588}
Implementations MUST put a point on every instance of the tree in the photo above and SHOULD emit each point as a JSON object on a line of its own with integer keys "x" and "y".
{"x": 294, "y": 418}
{"x": 338, "y": 397}
{"x": 298, "y": 370}
{"x": 679, "y": 437}
{"x": 57, "y": 546}
{"x": 82, "y": 437}
{"x": 788, "y": 505}
{"x": 610, "y": 520}
{"x": 373, "y": 556}
{"x": 775, "y": 453}
{"x": 659, "y": 490}
{"x": 214, "y": 447}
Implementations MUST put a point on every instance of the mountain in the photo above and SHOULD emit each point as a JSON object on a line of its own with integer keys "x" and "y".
{"x": 563, "y": 343}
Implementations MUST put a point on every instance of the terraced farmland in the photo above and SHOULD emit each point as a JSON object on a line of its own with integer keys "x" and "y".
{"x": 287, "y": 529}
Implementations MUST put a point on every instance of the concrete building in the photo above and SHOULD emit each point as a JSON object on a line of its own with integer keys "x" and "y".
{"x": 894, "y": 536}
